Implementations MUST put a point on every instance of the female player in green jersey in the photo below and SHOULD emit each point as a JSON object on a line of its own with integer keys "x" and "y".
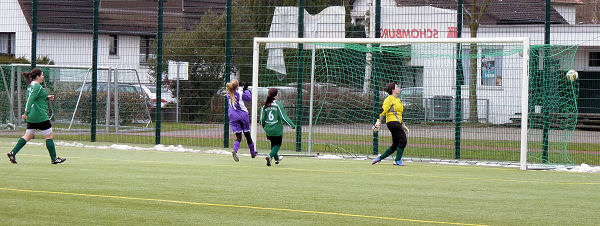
{"x": 392, "y": 111}
{"x": 36, "y": 116}
{"x": 272, "y": 116}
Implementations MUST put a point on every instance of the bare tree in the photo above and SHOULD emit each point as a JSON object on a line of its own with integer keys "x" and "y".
{"x": 474, "y": 15}
{"x": 589, "y": 13}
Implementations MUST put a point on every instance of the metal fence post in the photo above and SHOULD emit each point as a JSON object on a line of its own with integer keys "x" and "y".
{"x": 116, "y": 98}
{"x": 375, "y": 80}
{"x": 546, "y": 111}
{"x": 177, "y": 94}
{"x": 18, "y": 86}
{"x": 227, "y": 75}
{"x": 107, "y": 113}
{"x": 159, "y": 68}
{"x": 94, "y": 72}
{"x": 459, "y": 82}
{"x": 34, "y": 24}
{"x": 299, "y": 76}
{"x": 13, "y": 75}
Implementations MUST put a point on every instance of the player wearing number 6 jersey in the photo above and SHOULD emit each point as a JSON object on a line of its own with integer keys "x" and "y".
{"x": 272, "y": 116}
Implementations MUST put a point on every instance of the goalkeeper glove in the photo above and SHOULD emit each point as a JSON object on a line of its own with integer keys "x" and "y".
{"x": 405, "y": 128}
{"x": 376, "y": 126}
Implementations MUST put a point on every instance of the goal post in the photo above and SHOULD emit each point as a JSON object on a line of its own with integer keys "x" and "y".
{"x": 524, "y": 104}
{"x": 522, "y": 49}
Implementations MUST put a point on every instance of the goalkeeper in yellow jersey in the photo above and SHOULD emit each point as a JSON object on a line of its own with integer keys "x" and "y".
{"x": 272, "y": 117}
{"x": 392, "y": 113}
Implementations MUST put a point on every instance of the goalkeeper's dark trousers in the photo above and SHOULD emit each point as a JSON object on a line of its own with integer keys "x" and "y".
{"x": 398, "y": 140}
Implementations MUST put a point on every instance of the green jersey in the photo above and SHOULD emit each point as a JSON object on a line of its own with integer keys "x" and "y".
{"x": 36, "y": 106}
{"x": 272, "y": 118}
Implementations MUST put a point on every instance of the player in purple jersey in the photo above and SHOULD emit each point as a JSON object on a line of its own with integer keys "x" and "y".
{"x": 238, "y": 116}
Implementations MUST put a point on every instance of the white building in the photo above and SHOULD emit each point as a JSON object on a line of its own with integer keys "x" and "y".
{"x": 65, "y": 33}
{"x": 499, "y": 91}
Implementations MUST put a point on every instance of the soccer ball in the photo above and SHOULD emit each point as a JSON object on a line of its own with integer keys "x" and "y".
{"x": 572, "y": 75}
{"x": 10, "y": 126}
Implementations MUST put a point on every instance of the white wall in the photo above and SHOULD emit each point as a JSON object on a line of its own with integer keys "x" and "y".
{"x": 563, "y": 34}
{"x": 439, "y": 63}
{"x": 75, "y": 49}
{"x": 402, "y": 22}
{"x": 507, "y": 97}
{"x": 566, "y": 11}
{"x": 13, "y": 20}
{"x": 582, "y": 64}
{"x": 68, "y": 49}
{"x": 439, "y": 79}
{"x": 71, "y": 49}
{"x": 585, "y": 37}
{"x": 439, "y": 73}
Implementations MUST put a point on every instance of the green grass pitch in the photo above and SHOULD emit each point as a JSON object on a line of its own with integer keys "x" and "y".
{"x": 127, "y": 187}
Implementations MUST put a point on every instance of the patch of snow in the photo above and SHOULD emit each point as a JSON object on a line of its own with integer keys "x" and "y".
{"x": 218, "y": 151}
{"x": 329, "y": 157}
{"x": 34, "y": 143}
{"x": 583, "y": 168}
{"x": 171, "y": 148}
{"x": 159, "y": 147}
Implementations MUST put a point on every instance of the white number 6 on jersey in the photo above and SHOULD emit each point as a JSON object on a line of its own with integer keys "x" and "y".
{"x": 271, "y": 116}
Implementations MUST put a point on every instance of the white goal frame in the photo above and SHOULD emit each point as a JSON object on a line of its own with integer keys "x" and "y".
{"x": 518, "y": 40}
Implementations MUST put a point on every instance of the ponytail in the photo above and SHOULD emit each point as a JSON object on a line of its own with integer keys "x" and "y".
{"x": 231, "y": 88}
{"x": 27, "y": 76}
{"x": 270, "y": 97}
{"x": 30, "y": 76}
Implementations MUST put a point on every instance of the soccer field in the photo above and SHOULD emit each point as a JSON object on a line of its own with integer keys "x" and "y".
{"x": 131, "y": 187}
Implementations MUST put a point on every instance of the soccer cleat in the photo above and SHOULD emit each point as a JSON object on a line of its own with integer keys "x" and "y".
{"x": 268, "y": 160}
{"x": 277, "y": 161}
{"x": 376, "y": 160}
{"x": 398, "y": 163}
{"x": 235, "y": 157}
{"x": 11, "y": 157}
{"x": 253, "y": 155}
{"x": 59, "y": 160}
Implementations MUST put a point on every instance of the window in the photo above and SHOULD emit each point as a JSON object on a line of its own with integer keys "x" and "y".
{"x": 594, "y": 59}
{"x": 360, "y": 21}
{"x": 146, "y": 51}
{"x": 491, "y": 66}
{"x": 7, "y": 44}
{"x": 114, "y": 45}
